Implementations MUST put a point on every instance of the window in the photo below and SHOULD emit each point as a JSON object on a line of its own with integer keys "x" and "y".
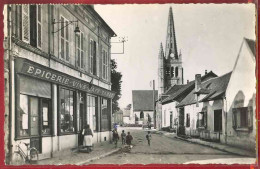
{"x": 67, "y": 122}
{"x": 167, "y": 71}
{"x": 176, "y": 71}
{"x": 91, "y": 116}
{"x": 242, "y": 117}
{"x": 141, "y": 115}
{"x": 105, "y": 113}
{"x": 202, "y": 119}
{"x": 80, "y": 50}
{"x": 187, "y": 120}
{"x": 64, "y": 39}
{"x": 32, "y": 25}
{"x": 34, "y": 115}
{"x": 105, "y": 64}
{"x": 172, "y": 71}
{"x": 93, "y": 57}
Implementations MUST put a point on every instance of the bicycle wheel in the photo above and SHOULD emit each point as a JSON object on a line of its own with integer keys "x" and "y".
{"x": 17, "y": 159}
{"x": 33, "y": 156}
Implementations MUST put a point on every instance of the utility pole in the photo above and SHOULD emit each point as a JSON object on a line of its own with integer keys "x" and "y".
{"x": 154, "y": 114}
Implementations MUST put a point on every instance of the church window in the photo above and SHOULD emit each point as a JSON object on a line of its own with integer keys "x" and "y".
{"x": 176, "y": 71}
{"x": 167, "y": 71}
{"x": 172, "y": 71}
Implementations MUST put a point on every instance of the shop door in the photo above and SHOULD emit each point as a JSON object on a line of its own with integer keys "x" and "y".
{"x": 81, "y": 118}
{"x": 35, "y": 140}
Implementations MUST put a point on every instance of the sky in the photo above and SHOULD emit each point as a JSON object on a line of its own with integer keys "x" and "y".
{"x": 208, "y": 35}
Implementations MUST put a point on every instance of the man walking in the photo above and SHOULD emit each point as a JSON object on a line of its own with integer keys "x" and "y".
{"x": 123, "y": 137}
{"x": 129, "y": 139}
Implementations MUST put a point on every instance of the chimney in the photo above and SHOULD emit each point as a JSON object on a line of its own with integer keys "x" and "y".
{"x": 206, "y": 72}
{"x": 197, "y": 88}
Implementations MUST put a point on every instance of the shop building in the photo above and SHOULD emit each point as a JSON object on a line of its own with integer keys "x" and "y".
{"x": 59, "y": 70}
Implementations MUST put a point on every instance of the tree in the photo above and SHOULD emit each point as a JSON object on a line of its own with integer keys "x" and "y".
{"x": 116, "y": 85}
{"x": 128, "y": 107}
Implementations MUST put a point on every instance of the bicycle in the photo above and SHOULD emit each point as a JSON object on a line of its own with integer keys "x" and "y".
{"x": 20, "y": 157}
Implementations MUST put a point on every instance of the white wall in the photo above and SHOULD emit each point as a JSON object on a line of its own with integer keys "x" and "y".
{"x": 242, "y": 81}
{"x": 166, "y": 110}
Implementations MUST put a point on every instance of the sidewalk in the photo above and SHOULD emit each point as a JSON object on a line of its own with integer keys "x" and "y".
{"x": 100, "y": 150}
{"x": 218, "y": 146}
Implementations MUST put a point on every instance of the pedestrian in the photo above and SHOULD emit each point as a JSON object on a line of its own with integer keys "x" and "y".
{"x": 129, "y": 139}
{"x": 149, "y": 137}
{"x": 123, "y": 137}
{"x": 88, "y": 135}
{"x": 115, "y": 136}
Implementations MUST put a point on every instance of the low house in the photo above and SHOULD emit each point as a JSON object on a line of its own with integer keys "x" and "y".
{"x": 223, "y": 108}
{"x": 203, "y": 108}
{"x": 118, "y": 117}
{"x": 143, "y": 105}
{"x": 170, "y": 115}
{"x": 240, "y": 122}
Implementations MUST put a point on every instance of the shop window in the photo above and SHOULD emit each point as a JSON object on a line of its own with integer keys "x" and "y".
{"x": 64, "y": 39}
{"x": 187, "y": 120}
{"x": 46, "y": 117}
{"x": 105, "y": 64}
{"x": 32, "y": 25}
{"x": 93, "y": 57}
{"x": 79, "y": 50}
{"x": 34, "y": 115}
{"x": 242, "y": 117}
{"x": 105, "y": 113}
{"x": 91, "y": 114}
{"x": 202, "y": 119}
{"x": 67, "y": 117}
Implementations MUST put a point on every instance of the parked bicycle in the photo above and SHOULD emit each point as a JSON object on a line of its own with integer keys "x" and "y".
{"x": 20, "y": 157}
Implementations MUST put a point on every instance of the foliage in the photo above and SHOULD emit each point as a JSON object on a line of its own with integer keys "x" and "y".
{"x": 129, "y": 106}
{"x": 116, "y": 85}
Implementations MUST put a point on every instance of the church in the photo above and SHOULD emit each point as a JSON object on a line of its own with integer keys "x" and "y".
{"x": 170, "y": 70}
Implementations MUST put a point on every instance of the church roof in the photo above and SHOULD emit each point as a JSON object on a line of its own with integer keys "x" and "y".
{"x": 143, "y": 100}
{"x": 216, "y": 86}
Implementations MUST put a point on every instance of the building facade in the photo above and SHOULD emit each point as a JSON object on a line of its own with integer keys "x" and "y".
{"x": 59, "y": 74}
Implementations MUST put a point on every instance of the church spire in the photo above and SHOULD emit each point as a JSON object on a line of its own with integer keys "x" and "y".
{"x": 171, "y": 45}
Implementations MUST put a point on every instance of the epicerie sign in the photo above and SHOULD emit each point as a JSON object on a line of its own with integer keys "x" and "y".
{"x": 56, "y": 77}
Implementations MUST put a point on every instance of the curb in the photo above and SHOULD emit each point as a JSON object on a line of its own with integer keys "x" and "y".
{"x": 98, "y": 157}
{"x": 215, "y": 147}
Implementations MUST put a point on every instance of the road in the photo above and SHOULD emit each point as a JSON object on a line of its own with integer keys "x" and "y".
{"x": 165, "y": 150}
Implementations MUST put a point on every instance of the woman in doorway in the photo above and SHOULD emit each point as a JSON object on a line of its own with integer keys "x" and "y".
{"x": 88, "y": 135}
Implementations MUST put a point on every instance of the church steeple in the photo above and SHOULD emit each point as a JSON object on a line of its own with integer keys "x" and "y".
{"x": 171, "y": 45}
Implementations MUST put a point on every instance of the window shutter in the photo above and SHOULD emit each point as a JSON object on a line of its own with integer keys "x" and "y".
{"x": 250, "y": 117}
{"x": 234, "y": 120}
{"x": 205, "y": 119}
{"x": 25, "y": 23}
{"x": 39, "y": 26}
{"x": 197, "y": 123}
{"x": 94, "y": 58}
{"x": 84, "y": 51}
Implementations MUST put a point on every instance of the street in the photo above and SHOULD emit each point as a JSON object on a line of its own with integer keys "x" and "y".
{"x": 165, "y": 150}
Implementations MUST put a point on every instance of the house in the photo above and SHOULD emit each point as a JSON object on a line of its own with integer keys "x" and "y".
{"x": 202, "y": 108}
{"x": 239, "y": 124}
{"x": 118, "y": 117}
{"x": 143, "y": 105}
{"x": 59, "y": 71}
{"x": 173, "y": 97}
{"x": 223, "y": 108}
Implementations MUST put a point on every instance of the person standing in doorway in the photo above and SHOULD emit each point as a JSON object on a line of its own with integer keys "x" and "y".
{"x": 88, "y": 135}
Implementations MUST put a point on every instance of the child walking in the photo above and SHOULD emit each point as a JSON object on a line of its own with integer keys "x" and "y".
{"x": 149, "y": 137}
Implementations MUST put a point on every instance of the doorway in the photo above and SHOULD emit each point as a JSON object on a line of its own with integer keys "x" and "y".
{"x": 81, "y": 125}
{"x": 181, "y": 128}
{"x": 218, "y": 122}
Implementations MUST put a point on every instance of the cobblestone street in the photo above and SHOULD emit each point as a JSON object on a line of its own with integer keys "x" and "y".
{"x": 166, "y": 150}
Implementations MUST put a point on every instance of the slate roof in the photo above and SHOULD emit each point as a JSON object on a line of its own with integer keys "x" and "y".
{"x": 143, "y": 100}
{"x": 179, "y": 94}
{"x": 251, "y": 44}
{"x": 216, "y": 87}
